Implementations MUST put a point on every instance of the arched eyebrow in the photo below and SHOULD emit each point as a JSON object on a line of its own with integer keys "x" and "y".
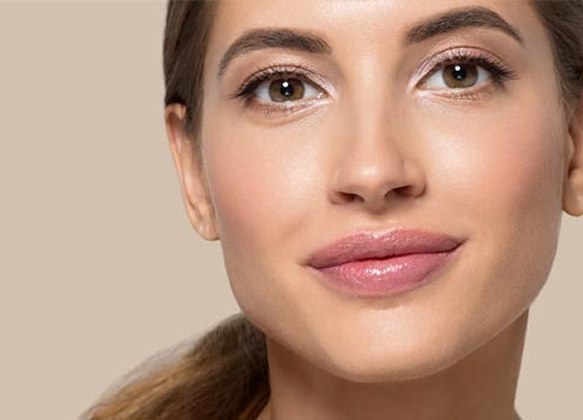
{"x": 306, "y": 41}
{"x": 460, "y": 18}
{"x": 256, "y": 39}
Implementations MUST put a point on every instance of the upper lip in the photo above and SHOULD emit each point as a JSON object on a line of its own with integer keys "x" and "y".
{"x": 386, "y": 244}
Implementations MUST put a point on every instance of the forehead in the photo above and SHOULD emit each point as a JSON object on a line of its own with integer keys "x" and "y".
{"x": 349, "y": 22}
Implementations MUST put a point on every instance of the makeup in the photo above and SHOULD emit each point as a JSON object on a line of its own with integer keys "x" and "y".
{"x": 383, "y": 263}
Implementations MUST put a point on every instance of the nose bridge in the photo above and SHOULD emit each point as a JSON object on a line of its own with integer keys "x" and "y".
{"x": 371, "y": 158}
{"x": 371, "y": 143}
{"x": 373, "y": 123}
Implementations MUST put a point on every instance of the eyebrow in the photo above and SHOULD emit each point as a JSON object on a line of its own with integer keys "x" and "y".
{"x": 461, "y": 18}
{"x": 256, "y": 39}
{"x": 305, "y": 41}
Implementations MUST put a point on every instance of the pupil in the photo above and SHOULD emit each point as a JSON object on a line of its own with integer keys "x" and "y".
{"x": 287, "y": 89}
{"x": 283, "y": 90}
{"x": 459, "y": 73}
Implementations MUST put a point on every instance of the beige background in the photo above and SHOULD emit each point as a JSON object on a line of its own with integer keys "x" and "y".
{"x": 99, "y": 266}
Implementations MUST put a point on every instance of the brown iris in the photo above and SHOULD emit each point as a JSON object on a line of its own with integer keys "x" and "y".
{"x": 282, "y": 90}
{"x": 460, "y": 76}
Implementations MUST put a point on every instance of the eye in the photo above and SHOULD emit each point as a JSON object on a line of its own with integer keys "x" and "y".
{"x": 280, "y": 90}
{"x": 458, "y": 76}
{"x": 285, "y": 90}
{"x": 461, "y": 70}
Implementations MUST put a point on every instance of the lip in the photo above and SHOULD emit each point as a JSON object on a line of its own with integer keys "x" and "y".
{"x": 381, "y": 263}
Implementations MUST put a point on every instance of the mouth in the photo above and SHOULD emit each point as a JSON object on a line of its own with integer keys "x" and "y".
{"x": 383, "y": 263}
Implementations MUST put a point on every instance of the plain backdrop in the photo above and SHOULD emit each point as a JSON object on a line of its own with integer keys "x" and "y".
{"x": 99, "y": 267}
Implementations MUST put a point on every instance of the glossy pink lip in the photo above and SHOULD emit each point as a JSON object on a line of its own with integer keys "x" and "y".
{"x": 379, "y": 263}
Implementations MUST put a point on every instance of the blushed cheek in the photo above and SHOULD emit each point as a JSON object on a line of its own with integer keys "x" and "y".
{"x": 510, "y": 191}
{"x": 525, "y": 210}
{"x": 264, "y": 189}
{"x": 262, "y": 184}
{"x": 521, "y": 170}
{"x": 502, "y": 166}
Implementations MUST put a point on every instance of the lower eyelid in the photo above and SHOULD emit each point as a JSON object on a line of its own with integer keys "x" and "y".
{"x": 270, "y": 109}
{"x": 461, "y": 95}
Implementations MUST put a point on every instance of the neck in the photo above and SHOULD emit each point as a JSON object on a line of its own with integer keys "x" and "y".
{"x": 482, "y": 386}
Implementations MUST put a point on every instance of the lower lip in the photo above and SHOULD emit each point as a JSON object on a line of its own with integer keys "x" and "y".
{"x": 379, "y": 277}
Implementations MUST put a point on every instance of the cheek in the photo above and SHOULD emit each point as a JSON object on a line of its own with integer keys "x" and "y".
{"x": 515, "y": 167}
{"x": 498, "y": 166}
{"x": 263, "y": 202}
{"x": 267, "y": 186}
{"x": 502, "y": 178}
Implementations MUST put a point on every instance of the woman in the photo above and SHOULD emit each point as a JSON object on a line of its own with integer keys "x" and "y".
{"x": 387, "y": 181}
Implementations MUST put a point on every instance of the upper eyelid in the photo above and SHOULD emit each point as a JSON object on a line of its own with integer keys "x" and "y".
{"x": 442, "y": 56}
{"x": 293, "y": 75}
{"x": 299, "y": 72}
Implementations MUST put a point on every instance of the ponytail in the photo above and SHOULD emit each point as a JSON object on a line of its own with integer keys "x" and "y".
{"x": 223, "y": 377}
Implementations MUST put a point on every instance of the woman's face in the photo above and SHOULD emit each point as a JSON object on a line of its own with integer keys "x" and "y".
{"x": 385, "y": 135}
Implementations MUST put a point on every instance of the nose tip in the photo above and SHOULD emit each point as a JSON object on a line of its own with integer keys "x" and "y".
{"x": 378, "y": 181}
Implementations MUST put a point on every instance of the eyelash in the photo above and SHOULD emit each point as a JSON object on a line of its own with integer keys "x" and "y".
{"x": 246, "y": 95}
{"x": 499, "y": 72}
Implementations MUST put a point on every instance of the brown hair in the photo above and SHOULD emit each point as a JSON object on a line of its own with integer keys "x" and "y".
{"x": 224, "y": 375}
{"x": 563, "y": 22}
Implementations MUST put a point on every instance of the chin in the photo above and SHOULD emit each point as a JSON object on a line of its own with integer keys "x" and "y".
{"x": 391, "y": 366}
{"x": 412, "y": 350}
{"x": 416, "y": 356}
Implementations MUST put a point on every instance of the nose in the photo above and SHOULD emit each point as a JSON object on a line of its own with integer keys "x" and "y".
{"x": 374, "y": 166}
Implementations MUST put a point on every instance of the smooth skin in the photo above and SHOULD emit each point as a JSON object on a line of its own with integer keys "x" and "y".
{"x": 374, "y": 148}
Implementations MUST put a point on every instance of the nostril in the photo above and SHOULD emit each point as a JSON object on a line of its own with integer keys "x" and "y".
{"x": 411, "y": 190}
{"x": 348, "y": 197}
{"x": 404, "y": 191}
